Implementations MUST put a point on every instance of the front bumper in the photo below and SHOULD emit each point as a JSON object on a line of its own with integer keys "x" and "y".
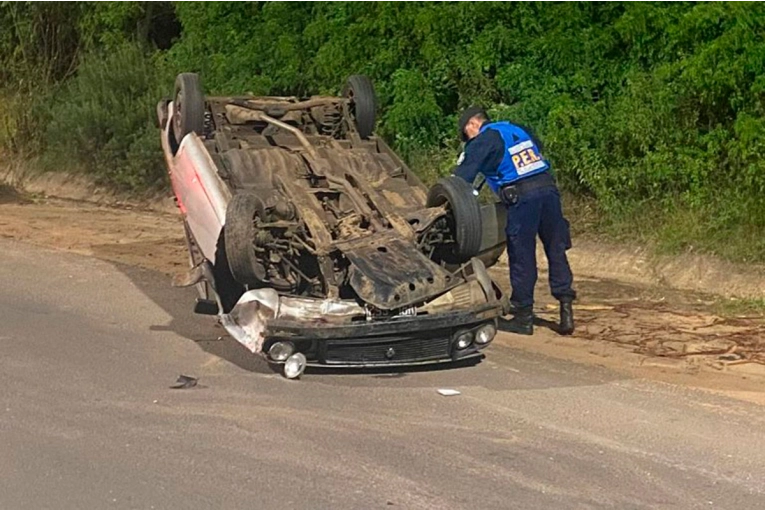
{"x": 340, "y": 333}
{"x": 402, "y": 341}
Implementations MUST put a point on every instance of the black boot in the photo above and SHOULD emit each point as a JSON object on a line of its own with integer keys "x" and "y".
{"x": 566, "y": 318}
{"x": 522, "y": 322}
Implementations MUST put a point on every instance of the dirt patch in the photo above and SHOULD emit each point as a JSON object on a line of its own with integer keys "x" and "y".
{"x": 19, "y": 175}
{"x": 136, "y": 237}
{"x": 652, "y": 332}
{"x": 692, "y": 272}
{"x": 646, "y": 330}
{"x": 689, "y": 272}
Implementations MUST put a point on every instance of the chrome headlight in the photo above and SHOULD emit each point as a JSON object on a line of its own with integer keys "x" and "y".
{"x": 294, "y": 366}
{"x": 280, "y": 351}
{"x": 485, "y": 334}
{"x": 464, "y": 339}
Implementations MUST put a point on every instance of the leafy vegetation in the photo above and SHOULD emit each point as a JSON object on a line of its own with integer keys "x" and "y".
{"x": 101, "y": 120}
{"x": 652, "y": 111}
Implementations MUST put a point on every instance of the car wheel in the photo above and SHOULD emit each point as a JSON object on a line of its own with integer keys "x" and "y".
{"x": 188, "y": 106}
{"x": 464, "y": 215}
{"x": 242, "y": 214}
{"x": 361, "y": 92}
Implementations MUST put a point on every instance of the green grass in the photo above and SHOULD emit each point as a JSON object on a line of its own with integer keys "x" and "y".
{"x": 673, "y": 228}
{"x": 734, "y": 307}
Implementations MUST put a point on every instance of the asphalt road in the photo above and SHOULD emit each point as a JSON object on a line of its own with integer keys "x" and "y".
{"x": 88, "y": 351}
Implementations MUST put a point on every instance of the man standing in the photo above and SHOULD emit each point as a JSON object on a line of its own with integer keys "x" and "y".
{"x": 510, "y": 159}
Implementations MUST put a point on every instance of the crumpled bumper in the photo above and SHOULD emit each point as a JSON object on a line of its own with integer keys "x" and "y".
{"x": 343, "y": 333}
{"x": 249, "y": 320}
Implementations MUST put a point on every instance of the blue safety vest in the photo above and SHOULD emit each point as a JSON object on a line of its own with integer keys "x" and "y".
{"x": 522, "y": 156}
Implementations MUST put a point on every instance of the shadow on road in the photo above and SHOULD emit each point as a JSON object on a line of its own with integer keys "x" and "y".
{"x": 395, "y": 372}
{"x": 202, "y": 330}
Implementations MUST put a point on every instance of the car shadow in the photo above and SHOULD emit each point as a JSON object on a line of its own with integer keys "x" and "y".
{"x": 384, "y": 372}
{"x": 203, "y": 330}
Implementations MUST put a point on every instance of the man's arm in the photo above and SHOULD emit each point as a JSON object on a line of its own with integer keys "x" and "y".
{"x": 482, "y": 155}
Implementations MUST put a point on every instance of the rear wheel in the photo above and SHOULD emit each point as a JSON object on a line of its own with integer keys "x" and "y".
{"x": 188, "y": 106}
{"x": 243, "y": 214}
{"x": 361, "y": 92}
{"x": 464, "y": 216}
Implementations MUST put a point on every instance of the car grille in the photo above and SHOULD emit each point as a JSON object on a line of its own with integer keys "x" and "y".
{"x": 386, "y": 350}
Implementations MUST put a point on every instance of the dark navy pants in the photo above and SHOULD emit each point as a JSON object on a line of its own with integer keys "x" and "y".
{"x": 538, "y": 212}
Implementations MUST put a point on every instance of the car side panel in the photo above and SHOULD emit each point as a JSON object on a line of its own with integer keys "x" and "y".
{"x": 202, "y": 196}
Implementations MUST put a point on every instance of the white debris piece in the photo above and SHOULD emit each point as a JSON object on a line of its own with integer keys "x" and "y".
{"x": 447, "y": 392}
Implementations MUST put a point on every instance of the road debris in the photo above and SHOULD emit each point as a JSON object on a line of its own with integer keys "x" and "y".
{"x": 447, "y": 392}
{"x": 184, "y": 382}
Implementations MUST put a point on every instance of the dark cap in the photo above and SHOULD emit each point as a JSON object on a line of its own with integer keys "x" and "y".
{"x": 468, "y": 114}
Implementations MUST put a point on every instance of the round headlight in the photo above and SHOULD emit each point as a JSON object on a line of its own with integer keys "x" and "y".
{"x": 464, "y": 340}
{"x": 485, "y": 334}
{"x": 280, "y": 351}
{"x": 294, "y": 366}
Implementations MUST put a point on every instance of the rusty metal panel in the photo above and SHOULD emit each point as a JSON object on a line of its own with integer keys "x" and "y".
{"x": 389, "y": 272}
{"x": 257, "y": 168}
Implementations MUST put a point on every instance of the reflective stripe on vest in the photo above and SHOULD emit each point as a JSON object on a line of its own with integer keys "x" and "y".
{"x": 522, "y": 156}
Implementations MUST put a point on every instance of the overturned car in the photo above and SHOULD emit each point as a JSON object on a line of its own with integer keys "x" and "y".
{"x": 315, "y": 244}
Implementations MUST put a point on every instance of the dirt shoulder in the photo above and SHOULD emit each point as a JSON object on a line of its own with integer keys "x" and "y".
{"x": 149, "y": 239}
{"x": 634, "y": 326}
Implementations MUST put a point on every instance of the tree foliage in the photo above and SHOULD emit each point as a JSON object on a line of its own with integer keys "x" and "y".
{"x": 638, "y": 100}
{"x": 636, "y": 103}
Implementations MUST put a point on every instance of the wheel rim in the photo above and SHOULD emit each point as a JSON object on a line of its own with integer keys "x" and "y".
{"x": 178, "y": 107}
{"x": 351, "y": 106}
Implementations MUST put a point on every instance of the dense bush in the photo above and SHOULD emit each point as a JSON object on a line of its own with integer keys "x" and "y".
{"x": 101, "y": 121}
{"x": 38, "y": 47}
{"x": 647, "y": 108}
{"x": 79, "y": 83}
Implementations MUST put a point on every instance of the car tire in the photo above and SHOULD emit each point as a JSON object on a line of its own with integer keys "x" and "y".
{"x": 239, "y": 239}
{"x": 361, "y": 92}
{"x": 188, "y": 106}
{"x": 465, "y": 215}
